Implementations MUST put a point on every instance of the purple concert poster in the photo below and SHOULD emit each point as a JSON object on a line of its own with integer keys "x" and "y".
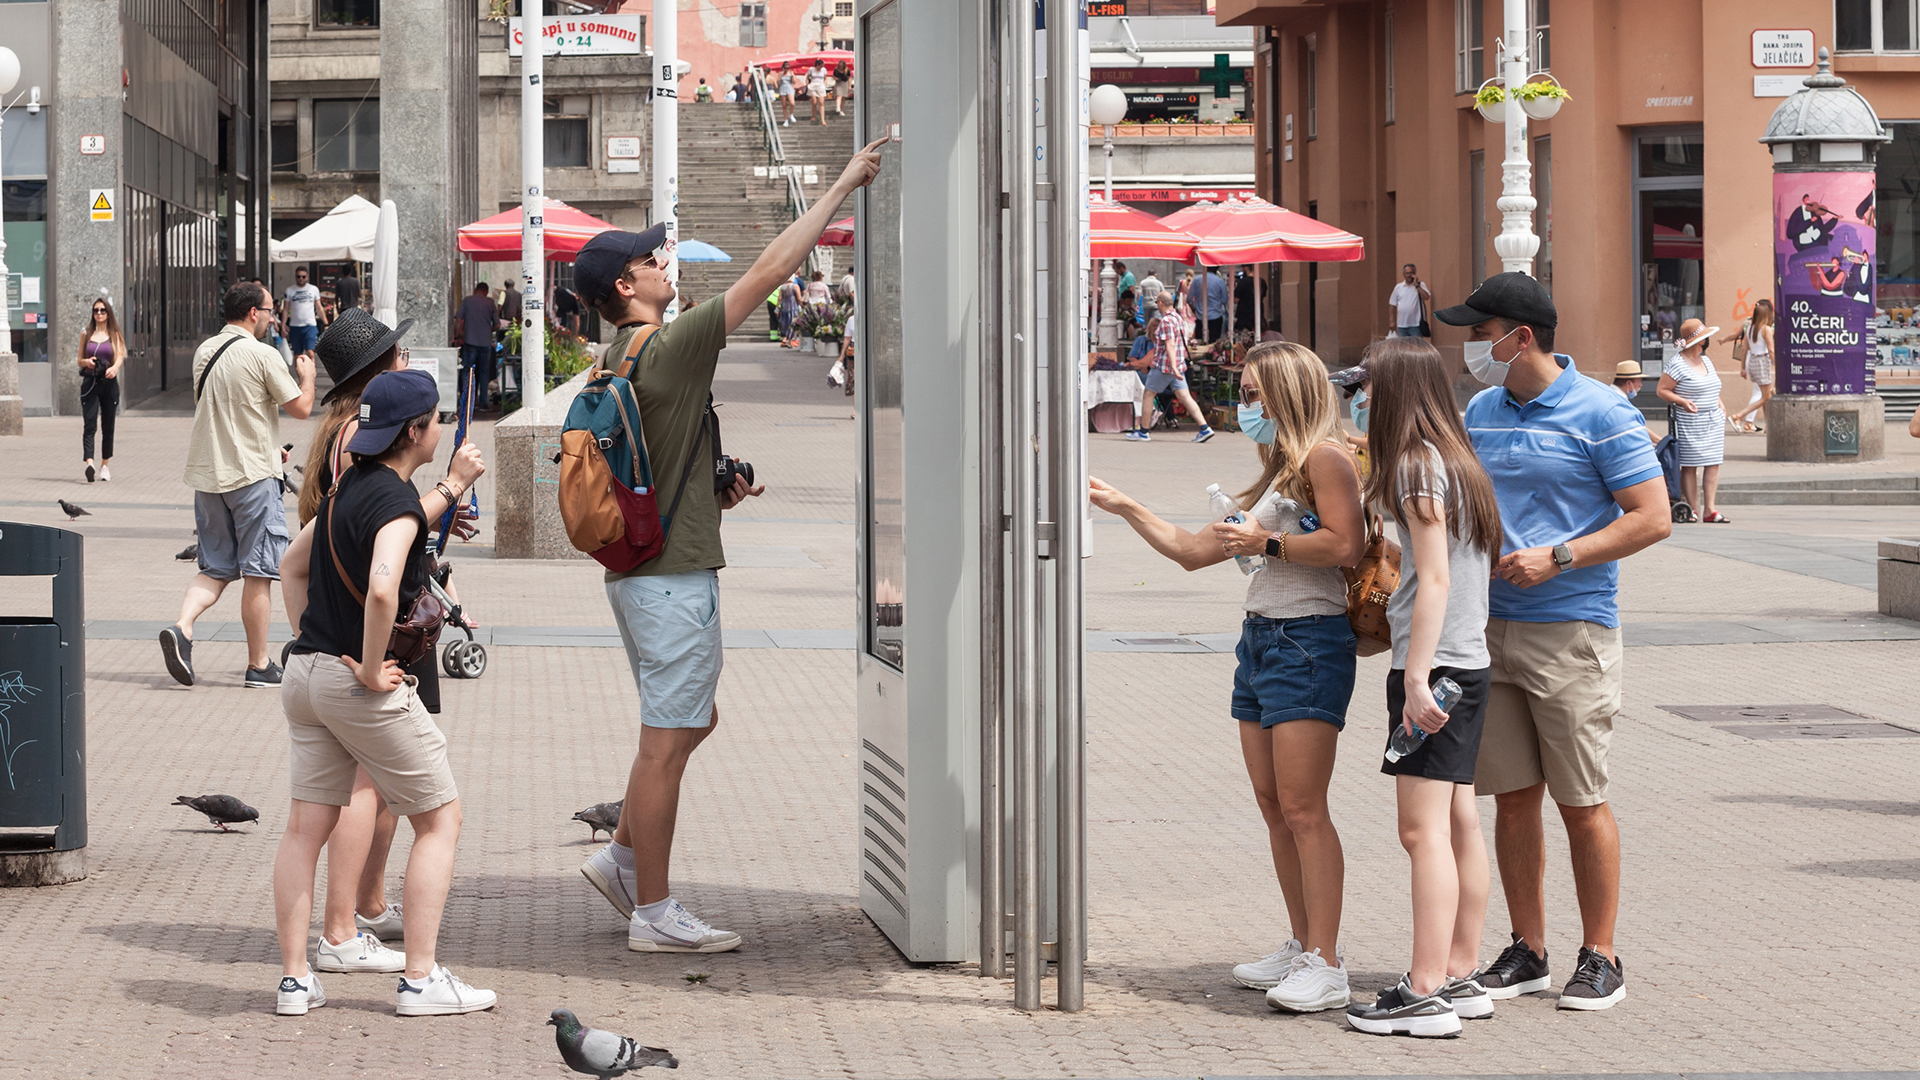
{"x": 1823, "y": 262}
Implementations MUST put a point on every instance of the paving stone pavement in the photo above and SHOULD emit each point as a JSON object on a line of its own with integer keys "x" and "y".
{"x": 1768, "y": 907}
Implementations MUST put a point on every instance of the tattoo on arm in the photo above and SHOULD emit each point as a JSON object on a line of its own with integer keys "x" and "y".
{"x": 383, "y": 571}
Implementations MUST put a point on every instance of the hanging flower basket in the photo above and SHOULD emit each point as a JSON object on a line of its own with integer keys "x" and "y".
{"x": 1490, "y": 101}
{"x": 1541, "y": 96}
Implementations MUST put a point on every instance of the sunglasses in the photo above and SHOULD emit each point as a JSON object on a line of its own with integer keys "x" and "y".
{"x": 99, "y": 311}
{"x": 1249, "y": 395}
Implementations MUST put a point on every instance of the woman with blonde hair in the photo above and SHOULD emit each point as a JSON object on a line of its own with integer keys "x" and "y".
{"x": 1296, "y": 652}
{"x": 102, "y": 353}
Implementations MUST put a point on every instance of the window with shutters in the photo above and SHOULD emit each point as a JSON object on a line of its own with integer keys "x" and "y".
{"x": 1469, "y": 46}
{"x": 753, "y": 26}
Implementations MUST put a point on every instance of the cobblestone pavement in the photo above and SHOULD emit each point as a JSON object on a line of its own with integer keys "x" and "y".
{"x": 1768, "y": 908}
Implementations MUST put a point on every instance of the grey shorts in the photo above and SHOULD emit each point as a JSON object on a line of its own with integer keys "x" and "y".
{"x": 243, "y": 532}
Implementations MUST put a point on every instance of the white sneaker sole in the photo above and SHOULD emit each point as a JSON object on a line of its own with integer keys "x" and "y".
{"x": 1420, "y": 1027}
{"x": 1531, "y": 986}
{"x": 1256, "y": 984}
{"x": 340, "y": 967}
{"x": 1593, "y": 1004}
{"x": 1338, "y": 999}
{"x": 635, "y": 944}
{"x": 607, "y": 889}
{"x": 1478, "y": 1007}
{"x": 425, "y": 1009}
{"x": 298, "y": 1008}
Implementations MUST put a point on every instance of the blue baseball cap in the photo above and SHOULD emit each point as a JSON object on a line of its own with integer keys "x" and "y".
{"x": 390, "y": 400}
{"x": 602, "y": 259}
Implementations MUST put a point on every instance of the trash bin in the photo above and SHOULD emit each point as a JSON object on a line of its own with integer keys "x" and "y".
{"x": 43, "y": 704}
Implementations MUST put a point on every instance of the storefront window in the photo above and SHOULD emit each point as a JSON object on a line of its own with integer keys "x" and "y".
{"x": 1896, "y": 214}
{"x": 1669, "y": 241}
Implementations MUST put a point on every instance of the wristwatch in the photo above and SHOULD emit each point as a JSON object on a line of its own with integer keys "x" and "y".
{"x": 1273, "y": 546}
{"x": 1562, "y": 556}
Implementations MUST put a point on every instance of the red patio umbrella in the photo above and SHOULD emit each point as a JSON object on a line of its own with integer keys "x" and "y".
{"x": 772, "y": 63}
{"x": 1256, "y": 231}
{"x": 838, "y": 234}
{"x": 497, "y": 239}
{"x": 1121, "y": 232}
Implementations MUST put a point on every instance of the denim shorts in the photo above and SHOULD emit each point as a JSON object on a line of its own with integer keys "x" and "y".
{"x": 243, "y": 532}
{"x": 1294, "y": 669}
{"x": 670, "y": 624}
{"x": 303, "y": 338}
{"x": 1161, "y": 381}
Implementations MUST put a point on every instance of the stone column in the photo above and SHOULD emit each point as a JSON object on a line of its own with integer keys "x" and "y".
{"x": 85, "y": 257}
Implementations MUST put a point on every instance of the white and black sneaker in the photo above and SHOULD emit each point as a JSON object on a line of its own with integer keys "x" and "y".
{"x": 1596, "y": 983}
{"x": 299, "y": 995}
{"x": 361, "y": 952}
{"x": 1266, "y": 972}
{"x": 1401, "y": 1011}
{"x": 1471, "y": 1001}
{"x": 440, "y": 994}
{"x": 1517, "y": 971}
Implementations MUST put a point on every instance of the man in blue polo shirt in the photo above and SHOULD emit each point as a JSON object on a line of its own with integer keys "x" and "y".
{"x": 1579, "y": 488}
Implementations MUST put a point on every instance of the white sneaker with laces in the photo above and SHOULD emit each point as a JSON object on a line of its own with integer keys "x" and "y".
{"x": 1312, "y": 986}
{"x": 679, "y": 930}
{"x": 440, "y": 994}
{"x": 615, "y": 882}
{"x": 361, "y": 952}
{"x": 299, "y": 995}
{"x": 1266, "y": 972}
{"x": 387, "y": 926}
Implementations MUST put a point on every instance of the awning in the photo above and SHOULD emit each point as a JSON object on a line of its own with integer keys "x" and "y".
{"x": 1121, "y": 232}
{"x": 497, "y": 239}
{"x": 345, "y": 233}
{"x": 1257, "y": 231}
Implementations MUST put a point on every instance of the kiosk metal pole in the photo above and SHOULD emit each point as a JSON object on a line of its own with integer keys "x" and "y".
{"x": 533, "y": 233}
{"x": 1067, "y": 344}
{"x": 1028, "y": 965}
{"x": 993, "y": 895}
{"x": 664, "y": 29}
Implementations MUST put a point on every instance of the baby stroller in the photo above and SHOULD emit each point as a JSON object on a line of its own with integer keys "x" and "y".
{"x": 1668, "y": 451}
{"x": 459, "y": 659}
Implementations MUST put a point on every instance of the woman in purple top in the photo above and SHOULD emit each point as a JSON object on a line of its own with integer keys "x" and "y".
{"x": 102, "y": 351}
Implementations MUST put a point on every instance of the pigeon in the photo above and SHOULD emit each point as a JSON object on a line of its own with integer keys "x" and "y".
{"x": 221, "y": 810}
{"x": 599, "y": 816}
{"x": 602, "y": 1053}
{"x": 190, "y": 553}
{"x": 73, "y": 512}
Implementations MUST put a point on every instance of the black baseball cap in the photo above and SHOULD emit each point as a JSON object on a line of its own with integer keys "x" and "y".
{"x": 1512, "y": 295}
{"x": 603, "y": 258}
{"x": 390, "y": 400}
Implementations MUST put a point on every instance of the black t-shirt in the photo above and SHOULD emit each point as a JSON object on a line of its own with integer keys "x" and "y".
{"x": 370, "y": 497}
{"x": 565, "y": 303}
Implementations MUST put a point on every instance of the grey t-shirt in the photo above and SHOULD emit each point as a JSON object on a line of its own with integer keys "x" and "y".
{"x": 1463, "y": 634}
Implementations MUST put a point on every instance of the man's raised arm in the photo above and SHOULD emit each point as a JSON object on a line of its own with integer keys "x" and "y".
{"x": 780, "y": 258}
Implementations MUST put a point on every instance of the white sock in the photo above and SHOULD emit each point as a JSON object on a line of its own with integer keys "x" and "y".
{"x": 622, "y": 856}
{"x": 652, "y": 912}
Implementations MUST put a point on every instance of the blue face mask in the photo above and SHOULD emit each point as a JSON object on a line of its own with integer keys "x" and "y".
{"x": 1256, "y": 425}
{"x": 1361, "y": 408}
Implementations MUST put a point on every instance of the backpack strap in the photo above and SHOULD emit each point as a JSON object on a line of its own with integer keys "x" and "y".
{"x": 624, "y": 368}
{"x": 201, "y": 386}
{"x": 706, "y": 423}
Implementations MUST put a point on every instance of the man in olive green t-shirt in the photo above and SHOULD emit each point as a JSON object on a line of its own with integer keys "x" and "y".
{"x": 668, "y": 609}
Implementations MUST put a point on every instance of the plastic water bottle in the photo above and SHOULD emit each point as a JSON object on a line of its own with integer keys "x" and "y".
{"x": 1292, "y": 517}
{"x": 1445, "y": 693}
{"x": 1225, "y": 509}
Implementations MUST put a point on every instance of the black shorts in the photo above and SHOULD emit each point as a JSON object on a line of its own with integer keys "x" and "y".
{"x": 1447, "y": 754}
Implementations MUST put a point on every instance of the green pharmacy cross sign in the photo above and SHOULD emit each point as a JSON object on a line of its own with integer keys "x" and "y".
{"x": 1223, "y": 77}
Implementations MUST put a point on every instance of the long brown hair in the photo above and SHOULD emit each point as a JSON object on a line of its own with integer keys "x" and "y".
{"x": 344, "y": 407}
{"x": 113, "y": 330}
{"x": 1293, "y": 386}
{"x": 1762, "y": 314}
{"x": 1413, "y": 409}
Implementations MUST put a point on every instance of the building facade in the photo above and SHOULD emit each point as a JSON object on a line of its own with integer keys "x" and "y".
{"x": 1655, "y": 198}
{"x": 139, "y": 178}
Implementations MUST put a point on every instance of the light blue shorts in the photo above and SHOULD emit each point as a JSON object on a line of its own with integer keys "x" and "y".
{"x": 670, "y": 624}
{"x": 1161, "y": 381}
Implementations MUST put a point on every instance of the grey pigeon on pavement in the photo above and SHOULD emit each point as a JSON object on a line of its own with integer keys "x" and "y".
{"x": 600, "y": 816}
{"x": 190, "y": 553}
{"x": 221, "y": 810}
{"x": 602, "y": 1053}
{"x": 73, "y": 512}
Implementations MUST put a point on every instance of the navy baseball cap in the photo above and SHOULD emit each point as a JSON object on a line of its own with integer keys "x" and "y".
{"x": 1512, "y": 295}
{"x": 603, "y": 258}
{"x": 390, "y": 400}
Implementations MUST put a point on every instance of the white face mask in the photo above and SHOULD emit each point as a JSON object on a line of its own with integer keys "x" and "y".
{"x": 1481, "y": 364}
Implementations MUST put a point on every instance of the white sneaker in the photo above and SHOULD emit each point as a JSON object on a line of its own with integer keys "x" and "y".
{"x": 387, "y": 926}
{"x": 679, "y": 930}
{"x": 1470, "y": 999}
{"x": 361, "y": 952}
{"x": 1312, "y": 986}
{"x": 614, "y": 881}
{"x": 440, "y": 994}
{"x": 299, "y": 995}
{"x": 1266, "y": 973}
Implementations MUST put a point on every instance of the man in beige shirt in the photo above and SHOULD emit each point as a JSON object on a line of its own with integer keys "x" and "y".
{"x": 234, "y": 464}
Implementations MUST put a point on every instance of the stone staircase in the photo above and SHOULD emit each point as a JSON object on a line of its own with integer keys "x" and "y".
{"x": 724, "y": 204}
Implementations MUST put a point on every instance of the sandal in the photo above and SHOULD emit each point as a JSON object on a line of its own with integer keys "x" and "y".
{"x": 1715, "y": 517}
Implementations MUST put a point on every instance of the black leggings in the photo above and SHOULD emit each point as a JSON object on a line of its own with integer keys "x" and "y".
{"x": 99, "y": 401}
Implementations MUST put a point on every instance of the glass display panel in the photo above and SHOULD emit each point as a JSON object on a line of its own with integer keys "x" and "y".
{"x": 882, "y": 344}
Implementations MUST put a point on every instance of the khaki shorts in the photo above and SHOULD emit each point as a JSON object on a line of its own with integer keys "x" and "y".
{"x": 1555, "y": 691}
{"x": 336, "y": 723}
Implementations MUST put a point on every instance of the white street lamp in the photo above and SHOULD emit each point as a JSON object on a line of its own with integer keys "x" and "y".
{"x": 1107, "y": 106}
{"x": 1516, "y": 243}
{"x": 9, "y": 77}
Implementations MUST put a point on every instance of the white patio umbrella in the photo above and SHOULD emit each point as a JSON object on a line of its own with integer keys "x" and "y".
{"x": 345, "y": 233}
{"x": 386, "y": 264}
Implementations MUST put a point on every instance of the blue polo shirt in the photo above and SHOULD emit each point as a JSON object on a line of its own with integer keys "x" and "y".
{"x": 1555, "y": 463}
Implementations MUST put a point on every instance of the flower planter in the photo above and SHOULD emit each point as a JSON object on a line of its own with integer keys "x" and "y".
{"x": 1493, "y": 112}
{"x": 1124, "y": 130}
{"x": 1095, "y": 131}
{"x": 1156, "y": 130}
{"x": 1239, "y": 129}
{"x": 1210, "y": 129}
{"x": 1541, "y": 108}
{"x": 806, "y": 344}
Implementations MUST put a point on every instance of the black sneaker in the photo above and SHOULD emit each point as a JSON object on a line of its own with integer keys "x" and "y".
{"x": 1470, "y": 999}
{"x": 1596, "y": 984}
{"x": 1402, "y": 1011}
{"x": 267, "y": 676}
{"x": 1517, "y": 971}
{"x": 177, "y": 649}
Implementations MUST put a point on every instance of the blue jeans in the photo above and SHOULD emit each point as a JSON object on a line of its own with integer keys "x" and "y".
{"x": 1407, "y": 331}
{"x": 480, "y": 358}
{"x": 1294, "y": 669}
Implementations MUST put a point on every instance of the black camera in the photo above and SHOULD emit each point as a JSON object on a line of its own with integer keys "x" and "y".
{"x": 726, "y": 468}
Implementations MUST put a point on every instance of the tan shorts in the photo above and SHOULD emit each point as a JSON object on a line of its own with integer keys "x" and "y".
{"x": 1555, "y": 691}
{"x": 336, "y": 723}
